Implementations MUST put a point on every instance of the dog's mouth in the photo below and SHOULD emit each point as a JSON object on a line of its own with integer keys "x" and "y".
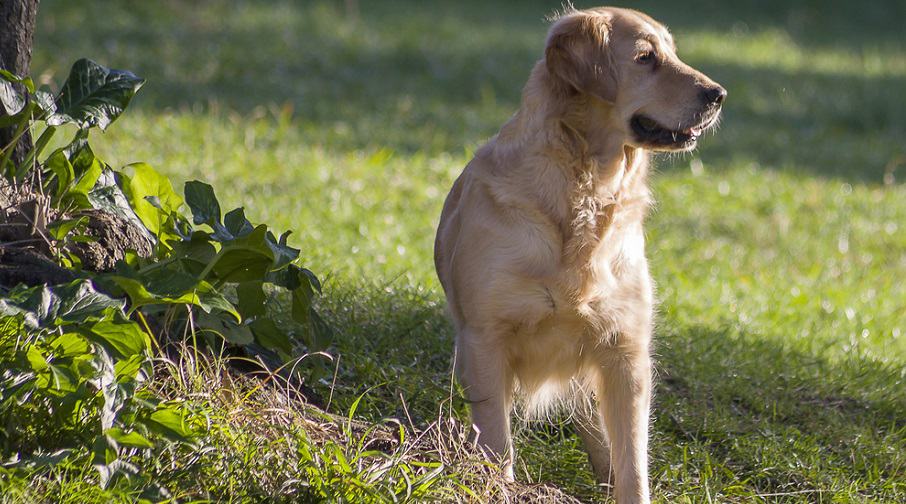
{"x": 652, "y": 134}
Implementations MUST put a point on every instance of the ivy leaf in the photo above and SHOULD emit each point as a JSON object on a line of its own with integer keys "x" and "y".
{"x": 87, "y": 170}
{"x": 283, "y": 253}
{"x": 107, "y": 196}
{"x": 245, "y": 258}
{"x": 75, "y": 302}
{"x": 59, "y": 229}
{"x": 12, "y": 99}
{"x": 124, "y": 336}
{"x": 94, "y": 95}
{"x": 170, "y": 423}
{"x": 270, "y": 336}
{"x": 173, "y": 288}
{"x": 228, "y": 329}
{"x": 131, "y": 439}
{"x": 62, "y": 169}
{"x": 236, "y": 223}
{"x": 45, "y": 101}
{"x": 146, "y": 183}
{"x": 252, "y": 300}
{"x": 201, "y": 200}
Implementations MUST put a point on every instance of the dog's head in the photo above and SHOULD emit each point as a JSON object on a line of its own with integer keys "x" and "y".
{"x": 629, "y": 60}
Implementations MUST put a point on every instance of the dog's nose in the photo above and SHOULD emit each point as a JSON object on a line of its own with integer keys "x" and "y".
{"x": 714, "y": 95}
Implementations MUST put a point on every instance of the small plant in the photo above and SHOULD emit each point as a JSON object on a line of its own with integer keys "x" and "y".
{"x": 73, "y": 366}
{"x": 75, "y": 356}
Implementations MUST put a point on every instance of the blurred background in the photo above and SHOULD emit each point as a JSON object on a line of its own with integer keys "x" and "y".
{"x": 779, "y": 247}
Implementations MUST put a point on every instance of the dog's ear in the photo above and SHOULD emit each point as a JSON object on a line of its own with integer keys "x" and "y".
{"x": 578, "y": 57}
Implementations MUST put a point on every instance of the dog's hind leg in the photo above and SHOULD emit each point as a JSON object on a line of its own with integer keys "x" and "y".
{"x": 488, "y": 383}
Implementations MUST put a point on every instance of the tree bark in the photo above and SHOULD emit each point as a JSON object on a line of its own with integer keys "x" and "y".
{"x": 17, "y": 31}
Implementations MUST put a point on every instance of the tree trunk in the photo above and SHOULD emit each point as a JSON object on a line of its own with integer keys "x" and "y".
{"x": 17, "y": 30}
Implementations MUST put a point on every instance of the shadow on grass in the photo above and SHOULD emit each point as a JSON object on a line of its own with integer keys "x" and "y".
{"x": 810, "y": 23}
{"x": 430, "y": 78}
{"x": 813, "y": 123}
{"x": 730, "y": 408}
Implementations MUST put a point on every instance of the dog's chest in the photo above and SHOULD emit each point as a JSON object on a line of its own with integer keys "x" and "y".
{"x": 603, "y": 235}
{"x": 596, "y": 280}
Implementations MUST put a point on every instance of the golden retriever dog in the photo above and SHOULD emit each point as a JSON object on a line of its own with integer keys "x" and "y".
{"x": 540, "y": 247}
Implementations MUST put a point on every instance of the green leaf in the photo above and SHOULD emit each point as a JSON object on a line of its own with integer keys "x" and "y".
{"x": 129, "y": 369}
{"x": 228, "y": 329}
{"x": 312, "y": 279}
{"x": 270, "y": 336}
{"x": 236, "y": 223}
{"x": 301, "y": 303}
{"x": 36, "y": 359}
{"x": 94, "y": 95}
{"x": 147, "y": 183}
{"x": 42, "y": 460}
{"x": 45, "y": 101}
{"x": 75, "y": 302}
{"x": 79, "y": 302}
{"x": 195, "y": 253}
{"x": 70, "y": 345}
{"x": 107, "y": 462}
{"x": 107, "y": 196}
{"x": 289, "y": 277}
{"x": 320, "y": 334}
{"x": 170, "y": 423}
{"x": 59, "y": 230}
{"x": 7, "y": 121}
{"x": 12, "y": 100}
{"x": 25, "y": 81}
{"x": 246, "y": 258}
{"x": 252, "y": 300}
{"x": 171, "y": 287}
{"x": 201, "y": 200}
{"x": 124, "y": 336}
{"x": 283, "y": 254}
{"x": 103, "y": 450}
{"x": 131, "y": 439}
{"x": 87, "y": 170}
{"x": 8, "y": 76}
{"x": 62, "y": 169}
{"x": 62, "y": 380}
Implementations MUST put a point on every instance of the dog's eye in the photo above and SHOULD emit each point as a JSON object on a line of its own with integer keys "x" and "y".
{"x": 646, "y": 58}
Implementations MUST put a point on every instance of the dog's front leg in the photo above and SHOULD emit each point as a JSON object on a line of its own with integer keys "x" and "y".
{"x": 488, "y": 384}
{"x": 625, "y": 398}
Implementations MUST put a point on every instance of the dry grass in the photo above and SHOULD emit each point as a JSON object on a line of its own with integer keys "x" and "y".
{"x": 264, "y": 440}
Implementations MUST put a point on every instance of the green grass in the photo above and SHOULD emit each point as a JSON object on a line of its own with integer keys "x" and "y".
{"x": 779, "y": 248}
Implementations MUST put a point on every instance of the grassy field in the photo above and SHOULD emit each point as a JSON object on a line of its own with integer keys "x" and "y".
{"x": 779, "y": 248}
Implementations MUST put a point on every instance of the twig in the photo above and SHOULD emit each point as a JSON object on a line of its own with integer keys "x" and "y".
{"x": 333, "y": 383}
{"x": 781, "y": 494}
{"x": 17, "y": 242}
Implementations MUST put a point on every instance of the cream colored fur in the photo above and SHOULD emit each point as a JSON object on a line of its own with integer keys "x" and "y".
{"x": 541, "y": 249}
